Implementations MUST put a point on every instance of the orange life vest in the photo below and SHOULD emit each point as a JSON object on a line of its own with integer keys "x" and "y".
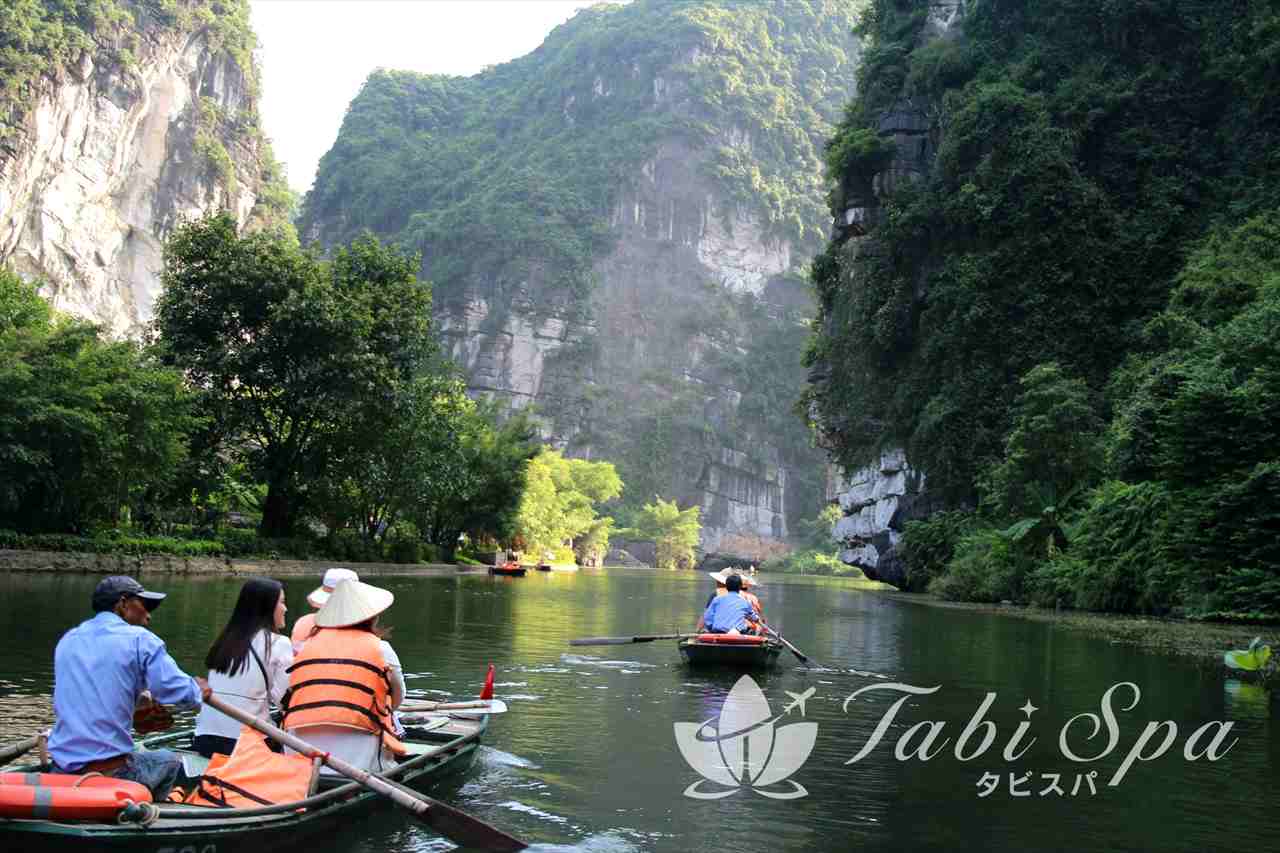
{"x": 755, "y": 602}
{"x": 252, "y": 776}
{"x": 341, "y": 679}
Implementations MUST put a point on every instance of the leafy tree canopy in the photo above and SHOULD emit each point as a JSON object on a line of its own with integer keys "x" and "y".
{"x": 560, "y": 498}
{"x": 89, "y": 425}
{"x": 289, "y": 351}
{"x": 674, "y": 530}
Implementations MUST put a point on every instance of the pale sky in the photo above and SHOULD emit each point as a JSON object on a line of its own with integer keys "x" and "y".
{"x": 315, "y": 54}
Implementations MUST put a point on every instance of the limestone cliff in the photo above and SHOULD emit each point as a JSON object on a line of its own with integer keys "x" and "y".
{"x": 879, "y": 498}
{"x": 616, "y": 227}
{"x": 109, "y": 150}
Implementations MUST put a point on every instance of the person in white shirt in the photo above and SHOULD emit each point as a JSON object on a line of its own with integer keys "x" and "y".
{"x": 248, "y": 664}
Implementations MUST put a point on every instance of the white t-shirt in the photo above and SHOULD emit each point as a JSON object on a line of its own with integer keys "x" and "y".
{"x": 247, "y": 690}
{"x": 355, "y": 746}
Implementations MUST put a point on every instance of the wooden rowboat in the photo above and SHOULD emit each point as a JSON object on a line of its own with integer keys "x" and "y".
{"x": 731, "y": 650}
{"x": 447, "y": 747}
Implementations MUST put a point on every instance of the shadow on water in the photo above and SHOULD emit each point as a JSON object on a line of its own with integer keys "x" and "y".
{"x": 586, "y": 759}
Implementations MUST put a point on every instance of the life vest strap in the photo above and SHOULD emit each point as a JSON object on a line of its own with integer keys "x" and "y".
{"x": 335, "y": 703}
{"x": 337, "y": 682}
{"x": 222, "y": 783}
{"x": 341, "y": 662}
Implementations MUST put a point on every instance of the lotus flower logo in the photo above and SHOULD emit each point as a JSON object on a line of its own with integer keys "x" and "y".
{"x": 743, "y": 747}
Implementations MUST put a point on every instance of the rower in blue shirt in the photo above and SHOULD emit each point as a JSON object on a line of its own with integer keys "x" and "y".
{"x": 730, "y": 613}
{"x": 100, "y": 670}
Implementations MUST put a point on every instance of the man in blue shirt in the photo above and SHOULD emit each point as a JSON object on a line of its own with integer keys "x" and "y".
{"x": 100, "y": 670}
{"x": 730, "y": 612}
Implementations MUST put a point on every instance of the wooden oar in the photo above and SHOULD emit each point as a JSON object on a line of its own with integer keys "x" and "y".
{"x": 14, "y": 750}
{"x": 622, "y": 641}
{"x": 781, "y": 639}
{"x": 452, "y": 823}
{"x": 487, "y": 706}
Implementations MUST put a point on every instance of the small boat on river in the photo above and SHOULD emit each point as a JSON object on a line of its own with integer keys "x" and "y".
{"x": 440, "y": 746}
{"x": 732, "y": 650}
{"x": 510, "y": 569}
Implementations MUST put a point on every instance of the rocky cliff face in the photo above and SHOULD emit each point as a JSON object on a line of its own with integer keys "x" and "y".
{"x": 109, "y": 157}
{"x": 675, "y": 246}
{"x": 878, "y": 499}
{"x": 677, "y": 357}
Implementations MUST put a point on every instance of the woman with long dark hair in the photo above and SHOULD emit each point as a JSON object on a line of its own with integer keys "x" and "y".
{"x": 247, "y": 664}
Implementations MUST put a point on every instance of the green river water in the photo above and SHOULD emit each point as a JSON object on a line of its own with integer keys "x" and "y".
{"x": 587, "y": 757}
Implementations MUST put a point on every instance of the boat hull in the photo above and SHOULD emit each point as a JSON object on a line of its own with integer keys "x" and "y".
{"x": 511, "y": 573}
{"x": 173, "y": 833}
{"x": 756, "y": 656}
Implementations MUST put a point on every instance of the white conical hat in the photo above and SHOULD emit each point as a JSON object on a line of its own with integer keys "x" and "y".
{"x": 353, "y": 602}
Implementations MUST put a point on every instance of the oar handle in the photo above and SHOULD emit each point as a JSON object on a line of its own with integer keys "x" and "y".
{"x": 623, "y": 641}
{"x": 301, "y": 746}
{"x": 444, "y": 706}
{"x": 14, "y": 750}
{"x": 455, "y": 823}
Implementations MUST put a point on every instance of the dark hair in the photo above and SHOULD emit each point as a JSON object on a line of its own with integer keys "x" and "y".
{"x": 733, "y": 583}
{"x": 255, "y": 611}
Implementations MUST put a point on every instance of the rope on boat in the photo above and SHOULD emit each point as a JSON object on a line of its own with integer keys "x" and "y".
{"x": 143, "y": 814}
{"x": 85, "y": 777}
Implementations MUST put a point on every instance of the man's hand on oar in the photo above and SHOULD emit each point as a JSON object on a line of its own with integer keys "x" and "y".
{"x": 781, "y": 639}
{"x": 451, "y": 822}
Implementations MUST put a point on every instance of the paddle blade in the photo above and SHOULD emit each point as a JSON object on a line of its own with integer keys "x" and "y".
{"x": 467, "y": 831}
{"x": 487, "y": 692}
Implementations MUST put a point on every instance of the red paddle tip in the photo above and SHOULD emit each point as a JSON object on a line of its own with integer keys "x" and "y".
{"x": 487, "y": 692}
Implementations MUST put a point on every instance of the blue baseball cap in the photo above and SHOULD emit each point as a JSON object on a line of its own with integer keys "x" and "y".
{"x": 111, "y": 589}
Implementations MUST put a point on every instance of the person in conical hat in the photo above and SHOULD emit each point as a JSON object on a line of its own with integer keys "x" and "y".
{"x": 317, "y": 598}
{"x": 347, "y": 681}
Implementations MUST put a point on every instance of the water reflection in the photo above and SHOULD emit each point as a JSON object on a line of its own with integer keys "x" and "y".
{"x": 586, "y": 758}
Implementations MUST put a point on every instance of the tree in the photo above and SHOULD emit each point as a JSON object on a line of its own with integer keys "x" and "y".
{"x": 674, "y": 530}
{"x": 290, "y": 352}
{"x": 560, "y": 497}
{"x": 88, "y": 425}
{"x": 400, "y": 458}
{"x": 481, "y": 491}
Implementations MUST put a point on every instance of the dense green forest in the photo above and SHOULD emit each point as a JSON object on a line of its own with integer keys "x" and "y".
{"x": 302, "y": 393}
{"x": 1069, "y": 321}
{"x": 506, "y": 182}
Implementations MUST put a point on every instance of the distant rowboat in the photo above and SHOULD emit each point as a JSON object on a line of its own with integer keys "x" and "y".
{"x": 510, "y": 569}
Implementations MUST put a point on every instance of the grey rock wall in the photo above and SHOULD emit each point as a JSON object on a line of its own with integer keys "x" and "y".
{"x": 877, "y": 501}
{"x": 675, "y": 236}
{"x": 105, "y": 166}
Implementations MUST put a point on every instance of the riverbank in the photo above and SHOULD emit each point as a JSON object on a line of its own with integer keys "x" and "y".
{"x": 1204, "y": 642}
{"x": 106, "y": 564}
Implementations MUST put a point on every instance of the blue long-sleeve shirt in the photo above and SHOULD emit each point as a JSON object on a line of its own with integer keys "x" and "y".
{"x": 100, "y": 667}
{"x": 726, "y": 612}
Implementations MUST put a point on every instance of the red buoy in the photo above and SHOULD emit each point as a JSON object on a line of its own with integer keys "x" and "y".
{"x": 65, "y": 796}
